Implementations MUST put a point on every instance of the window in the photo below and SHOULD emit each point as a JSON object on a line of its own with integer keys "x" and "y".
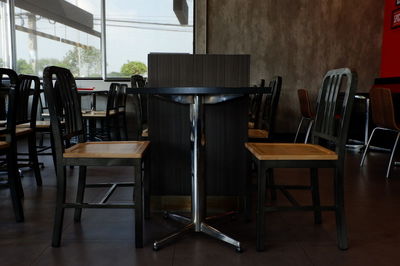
{"x": 5, "y": 58}
{"x": 68, "y": 33}
{"x": 135, "y": 28}
{"x": 62, "y": 34}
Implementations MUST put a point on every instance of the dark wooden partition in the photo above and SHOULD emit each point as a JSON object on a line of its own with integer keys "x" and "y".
{"x": 226, "y": 123}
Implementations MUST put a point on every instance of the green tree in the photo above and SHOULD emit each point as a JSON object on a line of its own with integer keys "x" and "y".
{"x": 24, "y": 67}
{"x": 133, "y": 68}
{"x": 114, "y": 74}
{"x": 44, "y": 62}
{"x": 83, "y": 62}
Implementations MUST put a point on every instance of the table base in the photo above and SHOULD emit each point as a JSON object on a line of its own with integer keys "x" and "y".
{"x": 190, "y": 227}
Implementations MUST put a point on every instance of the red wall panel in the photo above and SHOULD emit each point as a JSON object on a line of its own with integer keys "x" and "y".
{"x": 390, "y": 65}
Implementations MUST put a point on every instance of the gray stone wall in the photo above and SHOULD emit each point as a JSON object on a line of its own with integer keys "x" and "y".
{"x": 297, "y": 39}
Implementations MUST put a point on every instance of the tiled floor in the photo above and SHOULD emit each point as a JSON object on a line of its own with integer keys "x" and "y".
{"x": 105, "y": 237}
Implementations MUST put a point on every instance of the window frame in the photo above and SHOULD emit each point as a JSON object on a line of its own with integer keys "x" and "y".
{"x": 12, "y": 45}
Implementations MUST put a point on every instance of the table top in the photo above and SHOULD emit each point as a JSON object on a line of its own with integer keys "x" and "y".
{"x": 199, "y": 90}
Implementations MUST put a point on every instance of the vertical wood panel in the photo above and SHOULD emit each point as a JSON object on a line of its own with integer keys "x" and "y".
{"x": 226, "y": 123}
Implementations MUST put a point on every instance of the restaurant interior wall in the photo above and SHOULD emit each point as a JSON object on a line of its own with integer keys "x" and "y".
{"x": 298, "y": 40}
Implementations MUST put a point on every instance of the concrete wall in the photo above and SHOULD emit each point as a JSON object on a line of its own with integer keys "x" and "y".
{"x": 297, "y": 39}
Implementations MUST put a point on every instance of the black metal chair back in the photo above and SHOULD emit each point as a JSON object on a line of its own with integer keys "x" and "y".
{"x": 64, "y": 105}
{"x": 12, "y": 92}
{"x": 112, "y": 104}
{"x": 269, "y": 106}
{"x": 137, "y": 81}
{"x": 25, "y": 91}
{"x": 334, "y": 105}
{"x": 121, "y": 97}
{"x": 10, "y": 89}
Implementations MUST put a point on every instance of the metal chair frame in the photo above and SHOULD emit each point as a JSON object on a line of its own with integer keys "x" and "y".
{"x": 384, "y": 117}
{"x": 306, "y": 114}
{"x": 329, "y": 129}
{"x": 14, "y": 181}
{"x": 74, "y": 128}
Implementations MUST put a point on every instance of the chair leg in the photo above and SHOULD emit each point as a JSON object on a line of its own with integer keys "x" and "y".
{"x": 138, "y": 196}
{"x": 271, "y": 183}
{"x": 392, "y": 155}
{"x": 33, "y": 158}
{"x": 260, "y": 226}
{"x": 53, "y": 153}
{"x": 15, "y": 185}
{"x": 80, "y": 194}
{"x": 247, "y": 198}
{"x": 147, "y": 186}
{"x": 125, "y": 126}
{"x": 315, "y": 195}
{"x": 59, "y": 213}
{"x": 367, "y": 147}
{"x": 341, "y": 228}
{"x": 310, "y": 125}
{"x": 298, "y": 129}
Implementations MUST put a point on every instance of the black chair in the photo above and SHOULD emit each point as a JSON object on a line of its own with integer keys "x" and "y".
{"x": 139, "y": 102}
{"x": 264, "y": 121}
{"x": 121, "y": 108}
{"x": 84, "y": 154}
{"x": 327, "y": 150}
{"x": 383, "y": 116}
{"x": 26, "y": 122}
{"x": 108, "y": 118}
{"x": 307, "y": 114}
{"x": 8, "y": 147}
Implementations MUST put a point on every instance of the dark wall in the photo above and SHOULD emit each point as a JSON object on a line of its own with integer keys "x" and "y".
{"x": 299, "y": 40}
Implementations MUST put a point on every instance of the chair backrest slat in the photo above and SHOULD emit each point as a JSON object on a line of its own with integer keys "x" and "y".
{"x": 335, "y": 101}
{"x": 25, "y": 91}
{"x": 63, "y": 104}
{"x": 10, "y": 89}
{"x": 268, "y": 107}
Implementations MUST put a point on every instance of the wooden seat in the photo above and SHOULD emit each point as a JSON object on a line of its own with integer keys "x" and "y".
{"x": 113, "y": 149}
{"x": 39, "y": 124}
{"x": 98, "y": 114}
{"x": 253, "y": 133}
{"x": 19, "y": 131}
{"x": 289, "y": 151}
{"x": 84, "y": 154}
{"x": 383, "y": 116}
{"x": 4, "y": 145}
{"x": 327, "y": 150}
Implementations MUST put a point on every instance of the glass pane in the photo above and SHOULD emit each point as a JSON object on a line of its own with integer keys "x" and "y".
{"x": 135, "y": 28}
{"x": 63, "y": 34}
{"x": 4, "y": 36}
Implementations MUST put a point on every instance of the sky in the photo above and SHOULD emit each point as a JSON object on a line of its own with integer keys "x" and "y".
{"x": 127, "y": 42}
